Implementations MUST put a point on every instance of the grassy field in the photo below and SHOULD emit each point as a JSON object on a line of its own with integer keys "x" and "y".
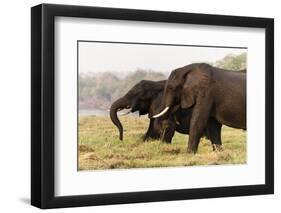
{"x": 100, "y": 147}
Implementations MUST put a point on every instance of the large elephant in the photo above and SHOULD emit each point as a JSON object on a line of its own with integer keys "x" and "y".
{"x": 146, "y": 97}
{"x": 211, "y": 92}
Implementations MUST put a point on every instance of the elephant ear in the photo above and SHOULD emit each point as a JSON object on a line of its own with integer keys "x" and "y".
{"x": 196, "y": 83}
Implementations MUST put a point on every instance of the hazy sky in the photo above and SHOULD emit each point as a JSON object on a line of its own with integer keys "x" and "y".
{"x": 102, "y": 57}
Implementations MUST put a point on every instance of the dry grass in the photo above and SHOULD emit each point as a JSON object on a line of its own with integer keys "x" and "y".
{"x": 100, "y": 147}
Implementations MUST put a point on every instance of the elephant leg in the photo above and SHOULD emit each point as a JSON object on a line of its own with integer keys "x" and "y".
{"x": 168, "y": 136}
{"x": 214, "y": 133}
{"x": 198, "y": 123}
{"x": 151, "y": 132}
{"x": 169, "y": 132}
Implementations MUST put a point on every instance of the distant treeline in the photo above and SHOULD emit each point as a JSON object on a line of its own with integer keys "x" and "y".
{"x": 98, "y": 91}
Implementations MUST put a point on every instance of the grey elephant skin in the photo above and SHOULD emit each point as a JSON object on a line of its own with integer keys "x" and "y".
{"x": 211, "y": 92}
{"x": 145, "y": 97}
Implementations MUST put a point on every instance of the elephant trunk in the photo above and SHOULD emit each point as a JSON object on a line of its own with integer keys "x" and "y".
{"x": 121, "y": 103}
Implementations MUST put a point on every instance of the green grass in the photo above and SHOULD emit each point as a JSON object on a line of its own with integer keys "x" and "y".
{"x": 100, "y": 147}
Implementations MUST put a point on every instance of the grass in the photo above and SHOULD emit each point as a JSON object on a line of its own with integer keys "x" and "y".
{"x": 100, "y": 147}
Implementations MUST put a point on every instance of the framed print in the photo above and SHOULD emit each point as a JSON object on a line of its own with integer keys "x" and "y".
{"x": 139, "y": 106}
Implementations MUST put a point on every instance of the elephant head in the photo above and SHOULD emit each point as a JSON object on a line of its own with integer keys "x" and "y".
{"x": 139, "y": 98}
{"x": 184, "y": 85}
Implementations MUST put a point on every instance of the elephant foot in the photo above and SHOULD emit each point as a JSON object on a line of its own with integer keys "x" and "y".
{"x": 191, "y": 151}
{"x": 166, "y": 141}
{"x": 145, "y": 138}
{"x": 217, "y": 147}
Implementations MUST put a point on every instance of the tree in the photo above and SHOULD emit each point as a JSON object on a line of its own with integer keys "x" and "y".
{"x": 233, "y": 62}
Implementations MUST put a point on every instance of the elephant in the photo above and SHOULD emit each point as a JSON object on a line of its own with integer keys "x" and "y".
{"x": 211, "y": 92}
{"x": 139, "y": 98}
{"x": 145, "y": 97}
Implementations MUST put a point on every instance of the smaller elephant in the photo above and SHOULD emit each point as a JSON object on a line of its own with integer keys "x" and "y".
{"x": 138, "y": 98}
{"x": 145, "y": 97}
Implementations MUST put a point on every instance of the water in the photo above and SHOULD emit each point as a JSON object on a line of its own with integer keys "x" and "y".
{"x": 98, "y": 112}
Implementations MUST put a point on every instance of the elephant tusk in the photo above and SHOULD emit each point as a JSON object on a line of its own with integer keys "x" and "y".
{"x": 161, "y": 113}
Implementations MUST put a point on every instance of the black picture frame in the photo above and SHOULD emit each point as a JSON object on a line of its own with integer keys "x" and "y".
{"x": 43, "y": 102}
